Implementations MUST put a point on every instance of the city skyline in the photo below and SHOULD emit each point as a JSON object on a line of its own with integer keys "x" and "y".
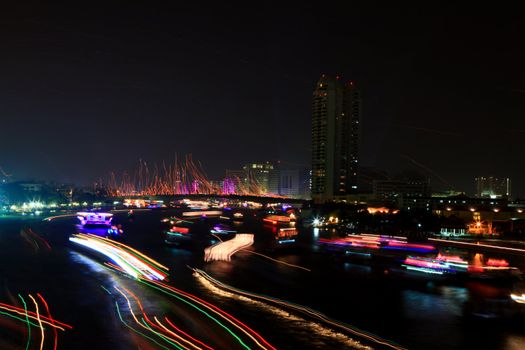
{"x": 264, "y": 175}
{"x": 78, "y": 81}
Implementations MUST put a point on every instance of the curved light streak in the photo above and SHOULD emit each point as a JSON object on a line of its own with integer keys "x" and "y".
{"x": 136, "y": 331}
{"x": 224, "y": 250}
{"x": 145, "y": 326}
{"x": 130, "y": 260}
{"x": 303, "y": 309}
{"x": 55, "y": 344}
{"x": 28, "y": 323}
{"x": 209, "y": 310}
{"x": 268, "y": 257}
{"x": 39, "y": 322}
{"x": 279, "y": 261}
{"x": 34, "y": 319}
{"x": 183, "y": 296}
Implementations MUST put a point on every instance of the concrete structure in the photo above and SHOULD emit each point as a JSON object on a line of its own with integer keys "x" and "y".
{"x": 336, "y": 112}
{"x": 492, "y": 187}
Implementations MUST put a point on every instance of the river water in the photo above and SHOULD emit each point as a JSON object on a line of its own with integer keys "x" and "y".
{"x": 414, "y": 312}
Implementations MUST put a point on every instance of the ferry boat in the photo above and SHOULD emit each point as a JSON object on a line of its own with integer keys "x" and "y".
{"x": 100, "y": 224}
{"x": 286, "y": 236}
{"x": 178, "y": 235}
{"x": 95, "y": 219}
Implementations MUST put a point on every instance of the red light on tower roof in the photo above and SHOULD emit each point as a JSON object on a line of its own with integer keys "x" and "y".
{"x": 337, "y": 77}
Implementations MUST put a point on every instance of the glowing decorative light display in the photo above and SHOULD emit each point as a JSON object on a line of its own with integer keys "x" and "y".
{"x": 225, "y": 250}
{"x": 180, "y": 177}
{"x": 128, "y": 259}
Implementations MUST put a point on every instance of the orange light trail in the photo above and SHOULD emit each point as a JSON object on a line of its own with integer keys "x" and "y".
{"x": 55, "y": 344}
{"x": 39, "y": 322}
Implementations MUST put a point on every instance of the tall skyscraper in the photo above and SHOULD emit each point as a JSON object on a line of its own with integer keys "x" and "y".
{"x": 336, "y": 111}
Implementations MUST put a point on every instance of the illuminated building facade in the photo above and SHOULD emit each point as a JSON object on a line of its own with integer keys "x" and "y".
{"x": 336, "y": 111}
{"x": 260, "y": 174}
{"x": 269, "y": 178}
{"x": 492, "y": 187}
{"x": 394, "y": 190}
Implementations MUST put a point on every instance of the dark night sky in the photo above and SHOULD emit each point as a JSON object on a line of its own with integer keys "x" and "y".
{"x": 88, "y": 89}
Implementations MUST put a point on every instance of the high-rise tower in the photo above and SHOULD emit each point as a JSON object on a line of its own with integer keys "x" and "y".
{"x": 336, "y": 111}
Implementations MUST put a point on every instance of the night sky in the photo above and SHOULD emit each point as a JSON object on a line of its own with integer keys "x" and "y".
{"x": 88, "y": 89}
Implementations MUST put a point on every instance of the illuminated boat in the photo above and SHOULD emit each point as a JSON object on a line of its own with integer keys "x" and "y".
{"x": 95, "y": 219}
{"x": 286, "y": 236}
{"x": 99, "y": 224}
{"x": 201, "y": 213}
{"x": 379, "y": 247}
{"x": 178, "y": 235}
{"x": 276, "y": 219}
{"x": 495, "y": 270}
{"x": 432, "y": 266}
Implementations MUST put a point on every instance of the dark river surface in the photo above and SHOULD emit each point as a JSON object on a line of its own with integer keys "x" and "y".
{"x": 414, "y": 312}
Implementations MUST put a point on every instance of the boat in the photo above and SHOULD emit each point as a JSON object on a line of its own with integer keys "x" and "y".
{"x": 286, "y": 236}
{"x": 178, "y": 235}
{"x": 99, "y": 224}
{"x": 95, "y": 218}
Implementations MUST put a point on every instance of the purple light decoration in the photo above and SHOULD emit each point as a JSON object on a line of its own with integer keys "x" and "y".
{"x": 228, "y": 186}
{"x": 195, "y": 186}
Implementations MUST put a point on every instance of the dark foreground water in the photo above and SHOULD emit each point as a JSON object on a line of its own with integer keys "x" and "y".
{"x": 415, "y": 312}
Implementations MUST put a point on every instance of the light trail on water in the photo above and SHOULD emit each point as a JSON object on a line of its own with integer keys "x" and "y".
{"x": 221, "y": 288}
{"x": 220, "y": 317}
{"x": 224, "y": 250}
{"x": 34, "y": 319}
{"x": 130, "y": 260}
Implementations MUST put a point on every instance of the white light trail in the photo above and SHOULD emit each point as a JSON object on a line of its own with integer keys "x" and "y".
{"x": 224, "y": 250}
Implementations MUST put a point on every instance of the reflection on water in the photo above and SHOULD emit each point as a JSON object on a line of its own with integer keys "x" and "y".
{"x": 440, "y": 302}
{"x": 359, "y": 268}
